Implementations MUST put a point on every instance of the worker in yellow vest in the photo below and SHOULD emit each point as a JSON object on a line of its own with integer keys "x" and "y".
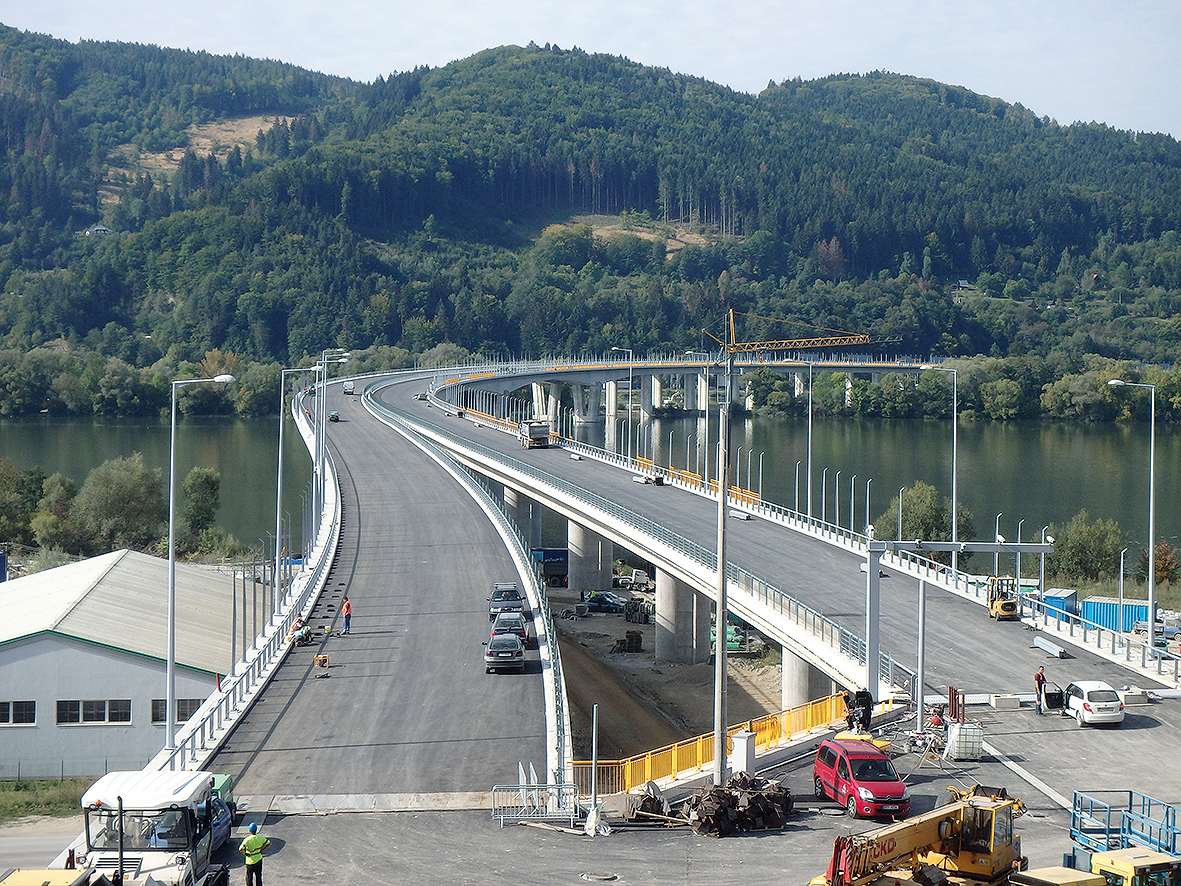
{"x": 252, "y": 847}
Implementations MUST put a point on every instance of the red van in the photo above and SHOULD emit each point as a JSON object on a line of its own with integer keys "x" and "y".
{"x": 861, "y": 778}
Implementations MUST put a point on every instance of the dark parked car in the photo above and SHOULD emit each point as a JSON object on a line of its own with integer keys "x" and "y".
{"x": 603, "y": 603}
{"x": 506, "y": 597}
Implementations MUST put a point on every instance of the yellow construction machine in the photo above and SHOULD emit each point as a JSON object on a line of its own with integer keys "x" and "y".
{"x": 1002, "y": 598}
{"x": 1135, "y": 866}
{"x": 967, "y": 841}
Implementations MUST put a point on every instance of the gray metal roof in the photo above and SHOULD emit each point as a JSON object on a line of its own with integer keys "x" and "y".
{"x": 120, "y": 600}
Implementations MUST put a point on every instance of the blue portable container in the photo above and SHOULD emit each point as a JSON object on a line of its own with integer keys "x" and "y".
{"x": 1061, "y": 600}
{"x": 1104, "y": 611}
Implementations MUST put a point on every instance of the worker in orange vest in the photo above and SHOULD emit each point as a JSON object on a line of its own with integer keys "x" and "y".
{"x": 346, "y": 610}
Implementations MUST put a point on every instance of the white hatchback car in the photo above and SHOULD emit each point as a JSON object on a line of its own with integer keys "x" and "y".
{"x": 1093, "y": 702}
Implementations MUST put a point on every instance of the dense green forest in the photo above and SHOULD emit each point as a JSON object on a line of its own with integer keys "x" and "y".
{"x": 536, "y": 200}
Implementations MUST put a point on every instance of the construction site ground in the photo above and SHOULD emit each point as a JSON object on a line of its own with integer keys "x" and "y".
{"x": 645, "y": 704}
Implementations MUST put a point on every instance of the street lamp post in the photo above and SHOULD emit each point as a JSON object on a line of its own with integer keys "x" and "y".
{"x": 996, "y": 557}
{"x": 797, "y": 503}
{"x": 955, "y": 438}
{"x": 1151, "y": 500}
{"x": 1121, "y": 590}
{"x": 1041, "y": 576}
{"x": 1017, "y": 564}
{"x": 836, "y": 500}
{"x": 901, "y": 489}
{"x": 824, "y": 494}
{"x": 809, "y": 484}
{"x": 328, "y": 355}
{"x": 852, "y": 502}
{"x": 279, "y": 489}
{"x": 170, "y": 664}
{"x": 867, "y": 523}
{"x": 630, "y": 366}
{"x": 721, "y": 621}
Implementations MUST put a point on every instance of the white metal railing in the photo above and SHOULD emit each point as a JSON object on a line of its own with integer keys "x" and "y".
{"x": 203, "y": 733}
{"x": 1117, "y": 645}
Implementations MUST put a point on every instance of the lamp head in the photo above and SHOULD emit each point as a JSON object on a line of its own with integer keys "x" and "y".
{"x": 1000, "y": 539}
{"x": 1117, "y": 381}
{"x": 224, "y": 379}
{"x": 1050, "y": 539}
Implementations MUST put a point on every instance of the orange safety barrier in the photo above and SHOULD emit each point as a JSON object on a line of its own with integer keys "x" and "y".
{"x": 689, "y": 757}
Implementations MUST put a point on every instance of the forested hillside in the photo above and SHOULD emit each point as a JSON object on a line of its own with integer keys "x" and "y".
{"x": 446, "y": 206}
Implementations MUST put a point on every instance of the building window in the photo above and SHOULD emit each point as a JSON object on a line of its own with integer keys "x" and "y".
{"x": 185, "y": 708}
{"x": 115, "y": 710}
{"x": 17, "y": 713}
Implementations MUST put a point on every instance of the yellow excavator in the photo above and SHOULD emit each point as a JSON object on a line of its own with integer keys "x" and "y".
{"x": 967, "y": 841}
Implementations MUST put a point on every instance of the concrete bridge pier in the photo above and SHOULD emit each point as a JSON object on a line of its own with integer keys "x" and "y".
{"x": 553, "y": 403}
{"x": 796, "y": 681}
{"x": 611, "y": 395}
{"x": 801, "y": 682}
{"x": 703, "y": 391}
{"x": 526, "y": 513}
{"x": 647, "y": 384}
{"x": 591, "y": 557}
{"x": 540, "y": 406}
{"x": 703, "y": 614}
{"x": 587, "y": 399}
{"x": 680, "y": 615}
{"x": 656, "y": 398}
{"x": 689, "y": 390}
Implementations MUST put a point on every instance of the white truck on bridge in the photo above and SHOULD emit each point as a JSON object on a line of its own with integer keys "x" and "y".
{"x": 151, "y": 827}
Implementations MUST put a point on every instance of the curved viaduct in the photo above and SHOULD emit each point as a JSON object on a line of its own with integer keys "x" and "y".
{"x": 402, "y": 709}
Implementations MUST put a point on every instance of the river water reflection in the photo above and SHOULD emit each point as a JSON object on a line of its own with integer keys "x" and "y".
{"x": 243, "y": 451}
{"x": 1039, "y": 473}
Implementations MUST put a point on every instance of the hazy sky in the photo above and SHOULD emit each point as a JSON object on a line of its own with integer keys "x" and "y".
{"x": 1113, "y": 61}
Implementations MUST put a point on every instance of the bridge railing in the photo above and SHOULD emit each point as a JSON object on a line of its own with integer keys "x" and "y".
{"x": 822, "y": 627}
{"x": 691, "y": 757}
{"x": 199, "y": 738}
{"x": 1117, "y": 644}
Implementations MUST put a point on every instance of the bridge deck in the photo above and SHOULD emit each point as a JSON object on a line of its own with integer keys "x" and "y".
{"x": 405, "y": 706}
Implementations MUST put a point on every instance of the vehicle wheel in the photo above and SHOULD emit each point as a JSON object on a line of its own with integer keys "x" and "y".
{"x": 818, "y": 786}
{"x": 851, "y": 807}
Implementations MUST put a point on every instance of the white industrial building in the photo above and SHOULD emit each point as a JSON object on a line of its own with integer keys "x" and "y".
{"x": 83, "y": 658}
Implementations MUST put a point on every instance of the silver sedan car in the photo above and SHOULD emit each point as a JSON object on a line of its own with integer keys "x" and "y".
{"x": 511, "y": 623}
{"x": 505, "y": 651}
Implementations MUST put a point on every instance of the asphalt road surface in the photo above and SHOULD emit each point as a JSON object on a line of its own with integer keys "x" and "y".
{"x": 405, "y": 706}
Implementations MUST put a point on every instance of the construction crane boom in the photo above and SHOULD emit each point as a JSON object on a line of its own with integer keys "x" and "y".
{"x": 838, "y": 340}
